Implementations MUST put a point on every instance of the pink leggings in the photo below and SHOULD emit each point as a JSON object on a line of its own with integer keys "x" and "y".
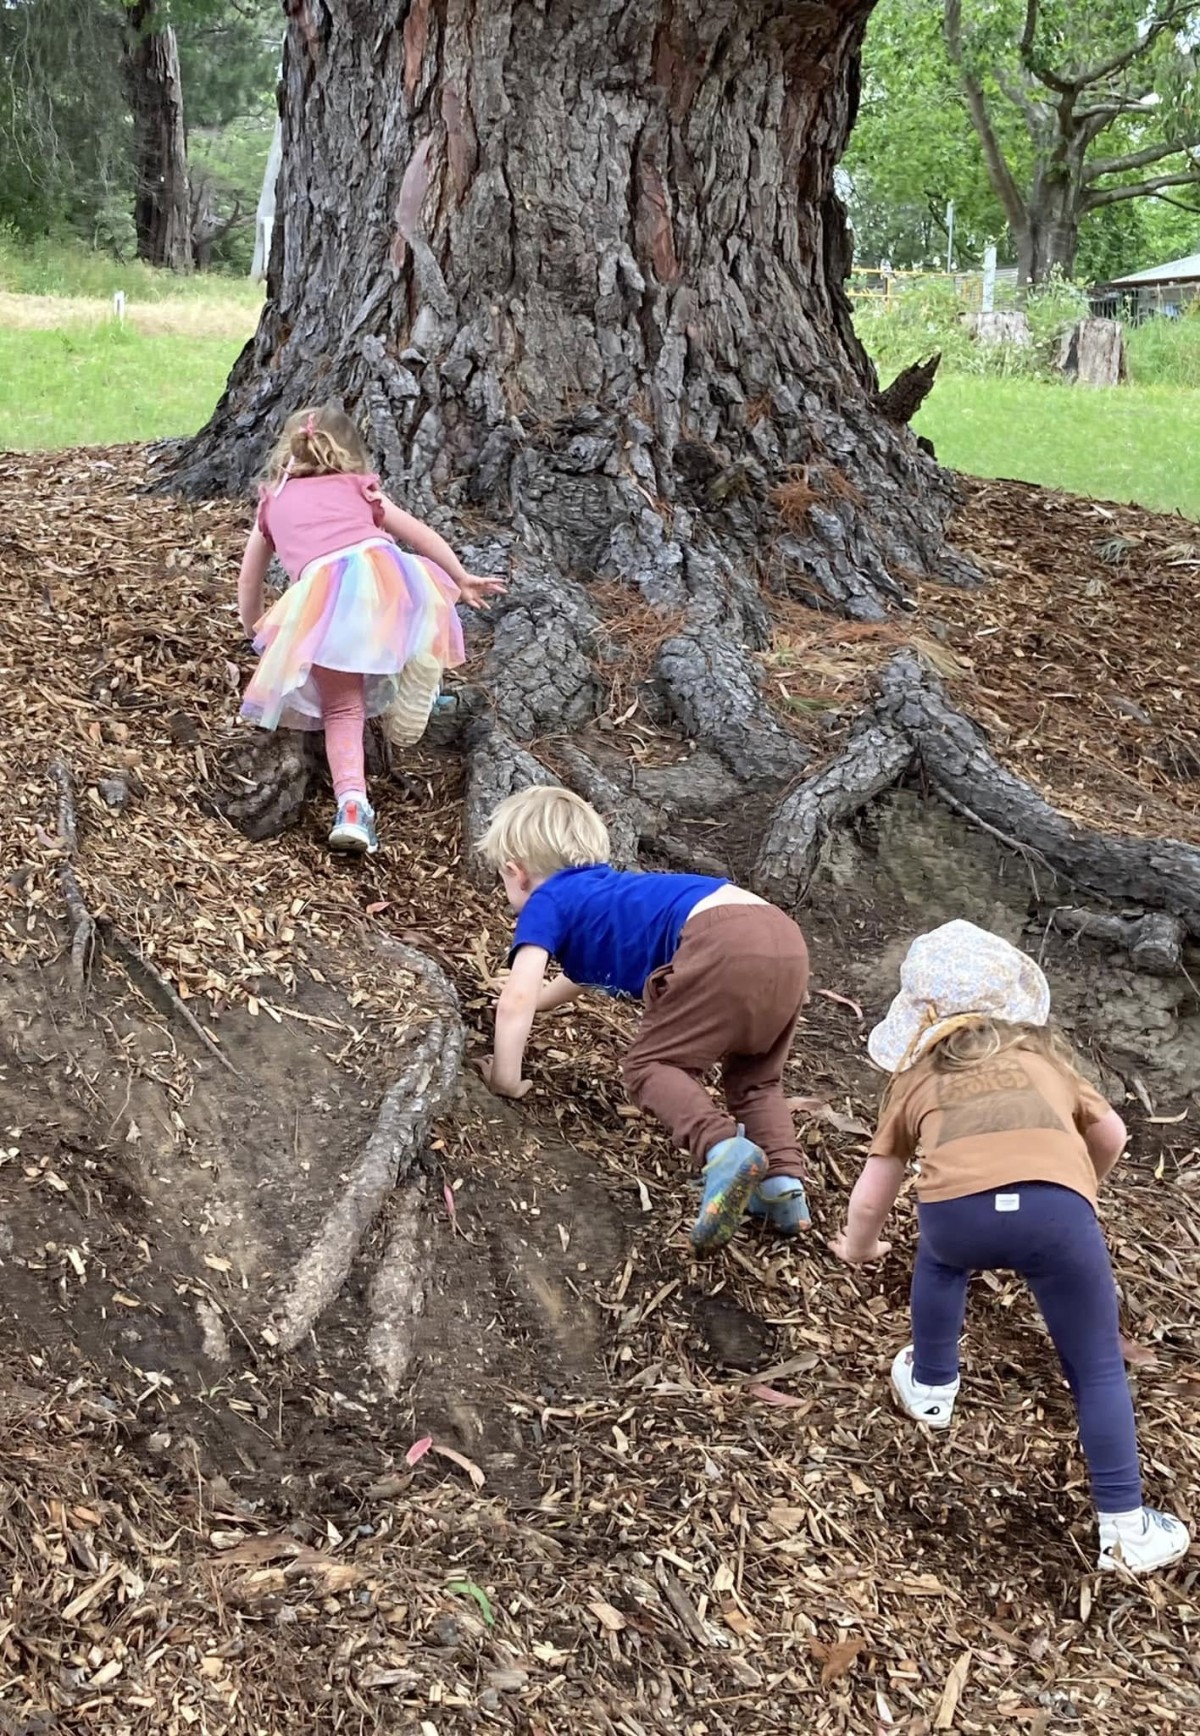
{"x": 344, "y": 712}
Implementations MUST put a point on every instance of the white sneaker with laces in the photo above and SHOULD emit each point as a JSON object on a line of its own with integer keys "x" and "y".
{"x": 1142, "y": 1541}
{"x": 933, "y": 1405}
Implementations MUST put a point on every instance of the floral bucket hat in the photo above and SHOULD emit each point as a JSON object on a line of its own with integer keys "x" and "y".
{"x": 954, "y": 975}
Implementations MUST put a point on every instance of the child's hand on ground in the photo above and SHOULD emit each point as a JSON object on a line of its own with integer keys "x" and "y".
{"x": 846, "y": 1250}
{"x": 477, "y": 591}
{"x": 501, "y": 1087}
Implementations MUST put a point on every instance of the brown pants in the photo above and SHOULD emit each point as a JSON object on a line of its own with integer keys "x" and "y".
{"x": 731, "y": 994}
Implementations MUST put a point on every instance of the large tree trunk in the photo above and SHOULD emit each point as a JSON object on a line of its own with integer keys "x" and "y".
{"x": 155, "y": 88}
{"x": 580, "y": 265}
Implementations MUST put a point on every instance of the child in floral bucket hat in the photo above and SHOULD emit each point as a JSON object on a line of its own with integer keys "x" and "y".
{"x": 1013, "y": 1144}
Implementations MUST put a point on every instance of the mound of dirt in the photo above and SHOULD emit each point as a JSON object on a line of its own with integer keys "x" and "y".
{"x": 338, "y": 1396}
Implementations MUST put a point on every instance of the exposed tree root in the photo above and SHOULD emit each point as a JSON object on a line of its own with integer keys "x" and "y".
{"x": 158, "y": 990}
{"x": 89, "y": 933}
{"x": 912, "y": 724}
{"x": 877, "y": 757}
{"x": 1154, "y": 941}
{"x": 420, "y": 1093}
{"x": 266, "y": 779}
{"x": 84, "y": 940}
{"x": 397, "y": 1295}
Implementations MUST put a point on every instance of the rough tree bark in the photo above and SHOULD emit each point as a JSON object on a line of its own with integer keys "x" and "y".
{"x": 162, "y": 211}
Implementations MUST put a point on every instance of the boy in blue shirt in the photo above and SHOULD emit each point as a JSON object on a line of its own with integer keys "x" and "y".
{"x": 723, "y": 976}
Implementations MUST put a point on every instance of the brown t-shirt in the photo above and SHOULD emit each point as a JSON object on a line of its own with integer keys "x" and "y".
{"x": 1015, "y": 1118}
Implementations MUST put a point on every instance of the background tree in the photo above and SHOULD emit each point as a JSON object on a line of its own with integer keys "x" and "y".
{"x": 1108, "y": 99}
{"x": 916, "y": 146}
{"x": 64, "y": 150}
{"x": 82, "y": 155}
{"x": 913, "y": 149}
{"x": 229, "y": 54}
{"x": 154, "y": 84}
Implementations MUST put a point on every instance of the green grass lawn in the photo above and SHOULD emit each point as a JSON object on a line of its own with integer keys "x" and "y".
{"x": 101, "y": 385}
{"x": 1129, "y": 443}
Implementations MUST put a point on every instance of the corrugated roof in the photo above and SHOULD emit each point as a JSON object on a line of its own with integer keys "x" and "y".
{"x": 1175, "y": 271}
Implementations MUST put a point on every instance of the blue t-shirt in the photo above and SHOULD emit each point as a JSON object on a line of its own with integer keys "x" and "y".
{"x": 610, "y": 930}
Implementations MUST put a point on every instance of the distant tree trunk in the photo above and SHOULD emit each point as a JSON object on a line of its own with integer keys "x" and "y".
{"x": 155, "y": 89}
{"x": 1048, "y": 238}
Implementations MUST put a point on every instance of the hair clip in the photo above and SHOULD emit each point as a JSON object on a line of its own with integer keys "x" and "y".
{"x": 310, "y": 426}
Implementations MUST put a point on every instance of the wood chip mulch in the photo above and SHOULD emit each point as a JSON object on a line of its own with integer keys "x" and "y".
{"x": 710, "y": 1552}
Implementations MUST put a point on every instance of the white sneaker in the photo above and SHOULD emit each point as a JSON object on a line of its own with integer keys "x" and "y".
{"x": 406, "y": 719}
{"x": 933, "y": 1405}
{"x": 354, "y": 829}
{"x": 1141, "y": 1542}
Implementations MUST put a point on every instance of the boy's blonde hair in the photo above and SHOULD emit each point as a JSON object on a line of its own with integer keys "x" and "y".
{"x": 544, "y": 829}
{"x": 318, "y": 441}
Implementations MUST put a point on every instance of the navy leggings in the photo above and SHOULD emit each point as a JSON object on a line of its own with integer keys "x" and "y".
{"x": 1052, "y": 1239}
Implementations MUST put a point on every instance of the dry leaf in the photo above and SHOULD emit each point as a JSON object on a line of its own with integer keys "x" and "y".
{"x": 256, "y": 1550}
{"x": 772, "y": 1395}
{"x": 838, "y": 1659}
{"x": 418, "y": 1449}
{"x": 955, "y": 1682}
{"x": 1137, "y": 1355}
{"x": 819, "y": 1110}
{"x": 464, "y": 1464}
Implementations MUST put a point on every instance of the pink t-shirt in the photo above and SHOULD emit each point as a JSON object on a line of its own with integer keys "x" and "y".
{"x": 311, "y": 516}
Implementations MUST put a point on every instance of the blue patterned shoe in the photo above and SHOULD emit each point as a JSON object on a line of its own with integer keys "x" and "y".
{"x": 782, "y": 1201}
{"x": 733, "y": 1171}
{"x": 354, "y": 828}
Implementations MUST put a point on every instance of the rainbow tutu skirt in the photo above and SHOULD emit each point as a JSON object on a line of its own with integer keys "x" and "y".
{"x": 366, "y": 609}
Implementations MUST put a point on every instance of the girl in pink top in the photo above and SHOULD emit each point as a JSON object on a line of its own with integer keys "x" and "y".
{"x": 363, "y": 627}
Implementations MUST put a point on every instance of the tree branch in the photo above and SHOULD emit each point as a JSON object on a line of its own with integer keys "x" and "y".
{"x": 1100, "y": 196}
{"x": 1114, "y": 106}
{"x": 1030, "y": 30}
{"x": 1139, "y": 159}
{"x": 1170, "y": 20}
{"x": 1002, "y": 179}
{"x": 1021, "y": 99}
